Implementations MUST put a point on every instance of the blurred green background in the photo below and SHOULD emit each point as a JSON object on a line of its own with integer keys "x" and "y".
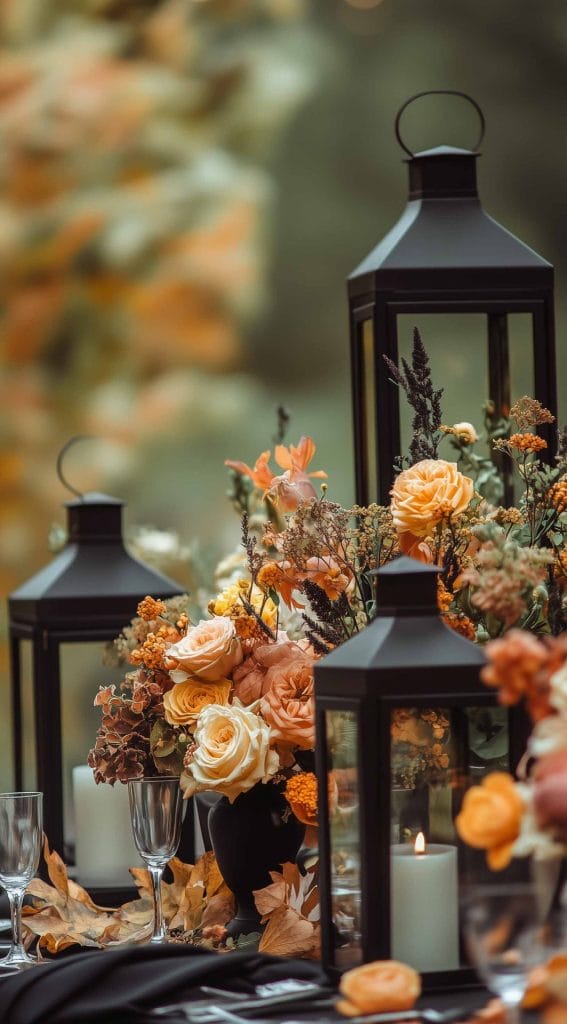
{"x": 184, "y": 187}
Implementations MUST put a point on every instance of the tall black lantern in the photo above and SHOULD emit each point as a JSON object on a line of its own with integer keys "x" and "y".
{"x": 403, "y": 725}
{"x": 445, "y": 255}
{"x": 87, "y": 594}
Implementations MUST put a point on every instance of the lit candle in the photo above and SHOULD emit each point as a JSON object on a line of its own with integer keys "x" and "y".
{"x": 104, "y": 847}
{"x": 424, "y": 905}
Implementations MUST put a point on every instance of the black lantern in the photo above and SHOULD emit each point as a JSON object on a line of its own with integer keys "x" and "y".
{"x": 403, "y": 725}
{"x": 87, "y": 594}
{"x": 446, "y": 256}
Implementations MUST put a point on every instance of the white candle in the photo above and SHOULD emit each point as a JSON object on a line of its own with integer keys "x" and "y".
{"x": 104, "y": 847}
{"x": 424, "y": 907}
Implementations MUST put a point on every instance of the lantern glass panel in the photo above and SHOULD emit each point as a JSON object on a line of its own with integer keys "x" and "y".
{"x": 436, "y": 754}
{"x": 81, "y": 672}
{"x": 344, "y": 839}
{"x": 366, "y": 336}
{"x": 520, "y": 335}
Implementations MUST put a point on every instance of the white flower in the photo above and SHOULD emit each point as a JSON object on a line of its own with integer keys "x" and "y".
{"x": 548, "y": 736}
{"x": 466, "y": 432}
{"x": 232, "y": 752}
{"x": 558, "y": 694}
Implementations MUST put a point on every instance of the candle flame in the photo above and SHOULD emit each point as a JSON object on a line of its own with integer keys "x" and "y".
{"x": 419, "y": 843}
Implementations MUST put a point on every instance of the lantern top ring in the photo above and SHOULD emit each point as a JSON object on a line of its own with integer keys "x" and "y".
{"x": 60, "y": 458}
{"x": 438, "y": 92}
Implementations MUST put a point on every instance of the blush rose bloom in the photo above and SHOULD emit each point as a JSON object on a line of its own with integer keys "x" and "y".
{"x": 232, "y": 752}
{"x": 251, "y": 680}
{"x": 427, "y": 493}
{"x": 288, "y": 705}
{"x": 185, "y": 702}
{"x": 210, "y": 651}
{"x": 384, "y": 986}
{"x": 490, "y": 818}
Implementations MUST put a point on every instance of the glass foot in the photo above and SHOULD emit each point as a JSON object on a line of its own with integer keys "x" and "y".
{"x": 17, "y": 960}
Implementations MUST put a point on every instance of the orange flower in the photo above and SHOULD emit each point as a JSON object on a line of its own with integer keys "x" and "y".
{"x": 428, "y": 493}
{"x": 288, "y": 705}
{"x": 293, "y": 486}
{"x": 490, "y": 818}
{"x": 301, "y": 795}
{"x": 185, "y": 701}
{"x": 328, "y": 575}
{"x": 384, "y": 986}
{"x": 150, "y": 609}
{"x": 527, "y": 443}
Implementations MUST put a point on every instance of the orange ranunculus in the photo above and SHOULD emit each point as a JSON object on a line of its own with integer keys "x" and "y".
{"x": 490, "y": 818}
{"x": 251, "y": 679}
{"x": 384, "y": 986}
{"x": 185, "y": 701}
{"x": 288, "y": 705}
{"x": 428, "y": 493}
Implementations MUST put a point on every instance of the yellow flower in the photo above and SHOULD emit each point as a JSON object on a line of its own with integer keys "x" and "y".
{"x": 230, "y": 603}
{"x": 428, "y": 493}
{"x": 184, "y": 703}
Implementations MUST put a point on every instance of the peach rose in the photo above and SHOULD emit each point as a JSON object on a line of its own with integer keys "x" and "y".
{"x": 250, "y": 677}
{"x": 210, "y": 651}
{"x": 184, "y": 703}
{"x": 427, "y": 493}
{"x": 232, "y": 752}
{"x": 288, "y": 705}
{"x": 550, "y": 792}
{"x": 490, "y": 818}
{"x": 384, "y": 986}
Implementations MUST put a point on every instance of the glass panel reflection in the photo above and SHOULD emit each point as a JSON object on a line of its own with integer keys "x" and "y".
{"x": 369, "y": 370}
{"x": 342, "y": 741}
{"x": 436, "y": 754}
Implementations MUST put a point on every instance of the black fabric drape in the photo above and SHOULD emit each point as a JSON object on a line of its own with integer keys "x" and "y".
{"x": 122, "y": 985}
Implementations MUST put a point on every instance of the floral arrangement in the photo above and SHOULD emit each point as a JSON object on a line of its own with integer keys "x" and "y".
{"x": 509, "y": 818}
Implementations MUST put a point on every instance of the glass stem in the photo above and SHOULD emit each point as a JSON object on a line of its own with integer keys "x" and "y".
{"x": 16, "y": 900}
{"x": 159, "y": 924}
{"x": 513, "y": 1013}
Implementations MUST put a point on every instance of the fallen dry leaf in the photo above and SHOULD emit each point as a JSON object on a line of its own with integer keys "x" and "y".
{"x": 287, "y": 934}
{"x": 290, "y": 910}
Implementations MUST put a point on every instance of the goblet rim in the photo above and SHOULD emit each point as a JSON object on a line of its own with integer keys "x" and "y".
{"x": 20, "y": 793}
{"x": 155, "y": 778}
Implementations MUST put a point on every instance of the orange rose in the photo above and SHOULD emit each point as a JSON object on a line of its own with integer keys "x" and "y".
{"x": 288, "y": 705}
{"x": 210, "y": 651}
{"x": 384, "y": 986}
{"x": 183, "y": 704}
{"x": 490, "y": 818}
{"x": 426, "y": 494}
{"x": 251, "y": 677}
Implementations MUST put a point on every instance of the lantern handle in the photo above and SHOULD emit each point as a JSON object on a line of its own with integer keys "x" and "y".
{"x": 59, "y": 464}
{"x": 439, "y": 92}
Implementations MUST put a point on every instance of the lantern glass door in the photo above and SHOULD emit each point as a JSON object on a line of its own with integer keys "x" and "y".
{"x": 81, "y": 672}
{"x": 27, "y": 736}
{"x": 344, "y": 835}
{"x": 436, "y": 754}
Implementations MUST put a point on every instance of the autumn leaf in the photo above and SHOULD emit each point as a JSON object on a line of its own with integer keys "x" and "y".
{"x": 287, "y": 934}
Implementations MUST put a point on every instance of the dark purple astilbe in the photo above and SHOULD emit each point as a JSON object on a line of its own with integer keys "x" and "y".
{"x": 424, "y": 399}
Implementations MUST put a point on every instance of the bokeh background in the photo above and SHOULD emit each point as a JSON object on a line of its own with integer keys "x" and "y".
{"x": 184, "y": 186}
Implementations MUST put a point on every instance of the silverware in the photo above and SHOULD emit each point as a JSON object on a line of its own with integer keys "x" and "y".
{"x": 268, "y": 997}
{"x": 429, "y": 1016}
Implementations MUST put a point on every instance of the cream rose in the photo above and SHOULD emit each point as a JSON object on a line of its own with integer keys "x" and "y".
{"x": 466, "y": 432}
{"x": 427, "y": 493}
{"x": 231, "y": 753}
{"x": 186, "y": 701}
{"x": 210, "y": 650}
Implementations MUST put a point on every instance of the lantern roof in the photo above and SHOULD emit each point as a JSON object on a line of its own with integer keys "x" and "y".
{"x": 93, "y": 582}
{"x": 445, "y": 239}
{"x": 407, "y": 643}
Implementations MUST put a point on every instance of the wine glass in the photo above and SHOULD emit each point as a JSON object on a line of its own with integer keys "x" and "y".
{"x": 155, "y": 812}
{"x": 505, "y": 939}
{"x": 20, "y": 849}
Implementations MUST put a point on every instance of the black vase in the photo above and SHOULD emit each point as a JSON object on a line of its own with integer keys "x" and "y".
{"x": 251, "y": 837}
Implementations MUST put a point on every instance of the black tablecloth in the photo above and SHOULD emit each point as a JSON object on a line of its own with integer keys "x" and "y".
{"x": 120, "y": 986}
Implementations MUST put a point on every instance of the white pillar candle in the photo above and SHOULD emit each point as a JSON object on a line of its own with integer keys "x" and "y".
{"x": 424, "y": 907}
{"x": 104, "y": 846}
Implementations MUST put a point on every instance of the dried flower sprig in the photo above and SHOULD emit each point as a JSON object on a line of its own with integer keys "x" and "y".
{"x": 424, "y": 399}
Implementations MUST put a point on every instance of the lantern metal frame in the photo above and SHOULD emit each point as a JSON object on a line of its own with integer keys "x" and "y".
{"x": 88, "y": 593}
{"x": 407, "y": 657}
{"x": 445, "y": 255}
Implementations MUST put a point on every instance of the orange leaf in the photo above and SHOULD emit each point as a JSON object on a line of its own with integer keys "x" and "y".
{"x": 287, "y": 934}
